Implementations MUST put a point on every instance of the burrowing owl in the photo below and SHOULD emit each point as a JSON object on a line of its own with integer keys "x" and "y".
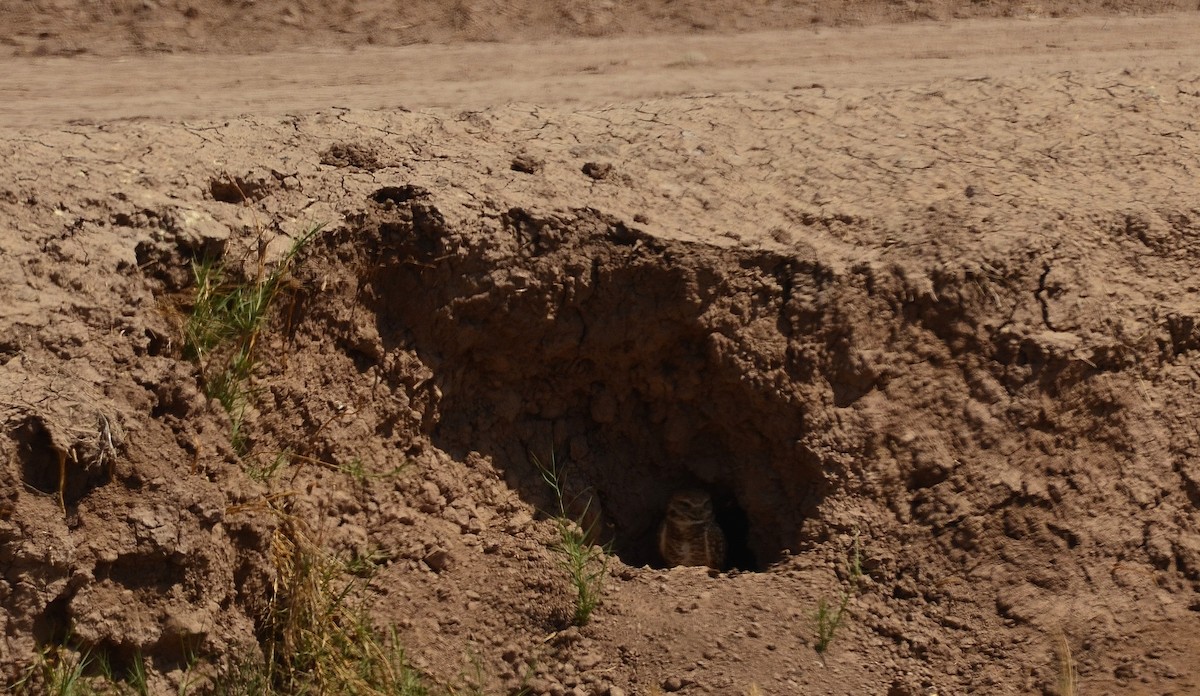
{"x": 689, "y": 535}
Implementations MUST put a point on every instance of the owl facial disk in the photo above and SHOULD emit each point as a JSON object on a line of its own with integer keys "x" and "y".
{"x": 689, "y": 507}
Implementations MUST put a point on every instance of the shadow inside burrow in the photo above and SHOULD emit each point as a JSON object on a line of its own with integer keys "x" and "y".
{"x": 66, "y": 473}
{"x": 613, "y": 354}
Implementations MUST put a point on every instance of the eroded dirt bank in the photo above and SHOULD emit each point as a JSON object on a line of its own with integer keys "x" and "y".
{"x": 956, "y": 322}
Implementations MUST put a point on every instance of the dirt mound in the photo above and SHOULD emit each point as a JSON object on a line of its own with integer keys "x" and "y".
{"x": 949, "y": 334}
{"x": 117, "y": 27}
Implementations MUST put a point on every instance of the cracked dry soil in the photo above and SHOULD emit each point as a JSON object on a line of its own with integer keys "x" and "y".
{"x": 959, "y": 324}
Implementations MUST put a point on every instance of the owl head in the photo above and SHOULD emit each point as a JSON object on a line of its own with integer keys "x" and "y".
{"x": 691, "y": 506}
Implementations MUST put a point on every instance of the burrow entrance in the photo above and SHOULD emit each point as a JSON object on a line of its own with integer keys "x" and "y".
{"x": 638, "y": 366}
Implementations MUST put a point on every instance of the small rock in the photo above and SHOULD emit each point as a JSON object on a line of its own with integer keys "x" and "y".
{"x": 615, "y": 691}
{"x": 672, "y": 684}
{"x": 1126, "y": 671}
{"x": 430, "y": 490}
{"x": 183, "y": 624}
{"x": 685, "y": 608}
{"x": 457, "y": 516}
{"x": 438, "y": 560}
{"x": 526, "y": 164}
{"x": 598, "y": 170}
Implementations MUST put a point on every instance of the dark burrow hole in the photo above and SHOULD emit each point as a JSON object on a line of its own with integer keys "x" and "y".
{"x": 138, "y": 571}
{"x": 52, "y": 626}
{"x": 639, "y": 366}
{"x": 40, "y": 464}
{"x": 38, "y": 460}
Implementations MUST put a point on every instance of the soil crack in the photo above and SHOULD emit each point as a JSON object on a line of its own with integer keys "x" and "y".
{"x": 1040, "y": 294}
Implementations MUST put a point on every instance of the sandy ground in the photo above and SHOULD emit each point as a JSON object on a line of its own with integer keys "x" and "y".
{"x": 923, "y": 293}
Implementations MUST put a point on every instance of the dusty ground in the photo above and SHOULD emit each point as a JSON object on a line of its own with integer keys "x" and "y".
{"x": 117, "y": 27}
{"x": 937, "y": 294}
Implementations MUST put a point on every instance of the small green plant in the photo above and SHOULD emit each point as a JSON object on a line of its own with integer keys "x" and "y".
{"x": 137, "y": 676}
{"x": 191, "y": 677}
{"x": 263, "y": 472}
{"x": 585, "y": 562}
{"x": 357, "y": 469}
{"x": 56, "y": 671}
{"x": 829, "y": 617}
{"x": 365, "y": 565}
{"x": 221, "y": 332}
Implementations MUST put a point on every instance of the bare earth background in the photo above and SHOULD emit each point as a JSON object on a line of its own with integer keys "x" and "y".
{"x": 930, "y": 285}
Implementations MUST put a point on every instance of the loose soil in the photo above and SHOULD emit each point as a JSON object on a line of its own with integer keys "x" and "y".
{"x": 950, "y": 326}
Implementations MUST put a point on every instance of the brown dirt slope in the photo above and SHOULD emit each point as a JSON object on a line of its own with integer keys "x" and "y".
{"x": 959, "y": 323}
{"x": 116, "y": 27}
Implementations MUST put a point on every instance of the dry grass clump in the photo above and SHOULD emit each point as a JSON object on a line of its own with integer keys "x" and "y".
{"x": 1067, "y": 676}
{"x": 317, "y": 637}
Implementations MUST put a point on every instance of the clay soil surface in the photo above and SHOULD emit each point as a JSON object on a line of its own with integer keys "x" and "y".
{"x": 910, "y": 289}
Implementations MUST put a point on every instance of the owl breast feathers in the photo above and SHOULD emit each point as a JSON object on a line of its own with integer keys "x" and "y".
{"x": 689, "y": 536}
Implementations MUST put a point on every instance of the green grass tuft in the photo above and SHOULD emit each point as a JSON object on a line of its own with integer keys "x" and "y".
{"x": 56, "y": 671}
{"x": 828, "y": 617}
{"x": 585, "y": 562}
{"x": 221, "y": 333}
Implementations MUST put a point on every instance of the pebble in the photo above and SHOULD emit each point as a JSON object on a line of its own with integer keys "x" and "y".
{"x": 672, "y": 684}
{"x": 438, "y": 560}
